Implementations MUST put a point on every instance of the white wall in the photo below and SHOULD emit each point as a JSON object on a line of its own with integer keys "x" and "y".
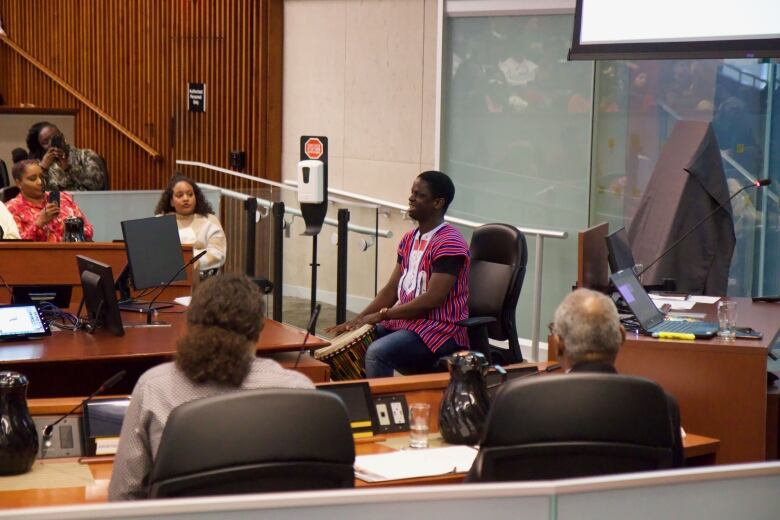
{"x": 362, "y": 73}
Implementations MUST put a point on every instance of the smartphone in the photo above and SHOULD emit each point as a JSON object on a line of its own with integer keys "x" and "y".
{"x": 748, "y": 333}
{"x": 54, "y": 197}
{"x": 57, "y": 141}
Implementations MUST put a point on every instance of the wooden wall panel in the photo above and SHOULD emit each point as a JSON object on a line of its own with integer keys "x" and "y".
{"x": 133, "y": 60}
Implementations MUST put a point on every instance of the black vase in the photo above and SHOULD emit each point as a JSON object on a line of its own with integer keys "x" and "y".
{"x": 74, "y": 229}
{"x": 465, "y": 404}
{"x": 18, "y": 437}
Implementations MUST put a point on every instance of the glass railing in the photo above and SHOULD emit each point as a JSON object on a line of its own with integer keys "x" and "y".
{"x": 278, "y": 250}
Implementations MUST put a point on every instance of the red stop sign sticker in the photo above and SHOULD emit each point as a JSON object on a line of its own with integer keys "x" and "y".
{"x": 313, "y": 148}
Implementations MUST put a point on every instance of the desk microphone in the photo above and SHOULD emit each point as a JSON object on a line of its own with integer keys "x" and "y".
{"x": 758, "y": 184}
{"x": 309, "y": 330}
{"x": 548, "y": 369}
{"x": 108, "y": 383}
{"x": 165, "y": 286}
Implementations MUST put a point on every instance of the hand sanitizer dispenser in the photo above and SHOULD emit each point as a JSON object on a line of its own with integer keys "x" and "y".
{"x": 311, "y": 182}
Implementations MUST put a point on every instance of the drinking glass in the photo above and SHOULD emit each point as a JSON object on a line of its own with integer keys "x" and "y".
{"x": 727, "y": 319}
{"x": 419, "y": 415}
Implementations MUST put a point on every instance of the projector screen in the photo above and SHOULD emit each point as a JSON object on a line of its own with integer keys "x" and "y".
{"x": 657, "y": 29}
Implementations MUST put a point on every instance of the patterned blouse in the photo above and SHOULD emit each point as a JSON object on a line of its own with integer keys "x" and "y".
{"x": 439, "y": 325}
{"x": 25, "y": 213}
{"x": 86, "y": 171}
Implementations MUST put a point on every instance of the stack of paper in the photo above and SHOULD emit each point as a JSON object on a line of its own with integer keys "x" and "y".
{"x": 674, "y": 302}
{"x": 414, "y": 463}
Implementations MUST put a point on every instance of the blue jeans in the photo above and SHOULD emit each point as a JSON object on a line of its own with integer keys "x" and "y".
{"x": 405, "y": 351}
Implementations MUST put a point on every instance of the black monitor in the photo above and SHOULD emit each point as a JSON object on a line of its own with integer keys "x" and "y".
{"x": 97, "y": 282}
{"x": 153, "y": 251}
{"x": 619, "y": 252}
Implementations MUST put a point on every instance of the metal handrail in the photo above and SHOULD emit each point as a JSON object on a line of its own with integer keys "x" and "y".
{"x": 455, "y": 220}
{"x": 362, "y": 230}
{"x": 538, "y": 234}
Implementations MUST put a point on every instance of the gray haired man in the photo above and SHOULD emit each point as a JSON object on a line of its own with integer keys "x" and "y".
{"x": 587, "y": 334}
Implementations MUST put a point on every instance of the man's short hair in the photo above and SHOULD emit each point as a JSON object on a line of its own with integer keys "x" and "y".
{"x": 589, "y": 324}
{"x": 441, "y": 186}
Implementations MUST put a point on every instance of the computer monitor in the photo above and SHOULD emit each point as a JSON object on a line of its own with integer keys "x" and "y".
{"x": 619, "y": 252}
{"x": 97, "y": 282}
{"x": 592, "y": 270}
{"x": 153, "y": 251}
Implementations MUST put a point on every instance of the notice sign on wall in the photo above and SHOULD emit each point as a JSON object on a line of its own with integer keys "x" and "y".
{"x": 196, "y": 94}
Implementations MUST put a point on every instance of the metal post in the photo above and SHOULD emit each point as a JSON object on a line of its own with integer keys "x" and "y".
{"x": 536, "y": 310}
{"x": 314, "y": 266}
{"x": 250, "y": 208}
{"x": 341, "y": 266}
{"x": 278, "y": 212}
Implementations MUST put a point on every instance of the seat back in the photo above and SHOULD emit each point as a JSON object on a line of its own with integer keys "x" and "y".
{"x": 254, "y": 441}
{"x": 5, "y": 180}
{"x": 574, "y": 426}
{"x": 498, "y": 262}
{"x": 8, "y": 193}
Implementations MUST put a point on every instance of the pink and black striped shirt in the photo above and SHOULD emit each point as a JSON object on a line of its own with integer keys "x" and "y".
{"x": 439, "y": 325}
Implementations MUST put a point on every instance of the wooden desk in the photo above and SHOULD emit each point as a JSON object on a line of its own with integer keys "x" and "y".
{"x": 34, "y": 263}
{"x": 76, "y": 363}
{"x": 720, "y": 386}
{"x": 421, "y": 388}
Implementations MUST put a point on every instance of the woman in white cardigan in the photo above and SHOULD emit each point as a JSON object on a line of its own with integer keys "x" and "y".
{"x": 196, "y": 221}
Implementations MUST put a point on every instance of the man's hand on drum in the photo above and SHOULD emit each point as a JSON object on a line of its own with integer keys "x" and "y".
{"x": 369, "y": 319}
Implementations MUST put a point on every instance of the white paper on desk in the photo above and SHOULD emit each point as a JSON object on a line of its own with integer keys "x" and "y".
{"x": 414, "y": 463}
{"x": 709, "y": 300}
{"x": 675, "y": 305}
{"x": 183, "y": 300}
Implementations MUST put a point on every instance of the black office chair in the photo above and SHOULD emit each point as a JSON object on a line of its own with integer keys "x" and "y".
{"x": 498, "y": 261}
{"x": 575, "y": 426}
{"x": 8, "y": 193}
{"x": 255, "y": 441}
{"x": 5, "y": 180}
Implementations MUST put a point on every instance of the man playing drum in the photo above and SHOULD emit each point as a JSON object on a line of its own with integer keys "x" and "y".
{"x": 416, "y": 311}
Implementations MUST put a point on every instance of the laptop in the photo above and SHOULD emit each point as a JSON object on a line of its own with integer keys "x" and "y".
{"x": 650, "y": 318}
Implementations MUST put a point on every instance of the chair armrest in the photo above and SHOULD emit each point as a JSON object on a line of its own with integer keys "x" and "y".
{"x": 476, "y": 321}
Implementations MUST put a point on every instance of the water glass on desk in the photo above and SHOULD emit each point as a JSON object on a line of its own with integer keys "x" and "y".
{"x": 419, "y": 415}
{"x": 727, "y": 319}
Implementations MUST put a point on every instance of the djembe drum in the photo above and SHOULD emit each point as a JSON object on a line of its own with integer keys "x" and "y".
{"x": 346, "y": 353}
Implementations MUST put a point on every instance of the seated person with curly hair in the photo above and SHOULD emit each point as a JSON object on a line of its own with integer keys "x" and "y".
{"x": 196, "y": 221}
{"x": 36, "y": 217}
{"x": 216, "y": 356}
{"x": 65, "y": 167}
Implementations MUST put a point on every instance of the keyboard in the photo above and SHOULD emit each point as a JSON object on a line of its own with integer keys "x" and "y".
{"x": 701, "y": 329}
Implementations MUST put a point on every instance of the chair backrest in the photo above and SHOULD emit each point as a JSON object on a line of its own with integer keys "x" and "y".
{"x": 255, "y": 441}
{"x": 8, "y": 193}
{"x": 498, "y": 261}
{"x": 574, "y": 426}
{"x": 5, "y": 180}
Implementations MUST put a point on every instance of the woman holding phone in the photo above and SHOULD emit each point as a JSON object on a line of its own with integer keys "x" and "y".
{"x": 65, "y": 167}
{"x": 40, "y": 215}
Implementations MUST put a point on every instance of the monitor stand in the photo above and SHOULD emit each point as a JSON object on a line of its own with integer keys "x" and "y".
{"x": 142, "y": 306}
{"x": 126, "y": 302}
{"x": 150, "y": 323}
